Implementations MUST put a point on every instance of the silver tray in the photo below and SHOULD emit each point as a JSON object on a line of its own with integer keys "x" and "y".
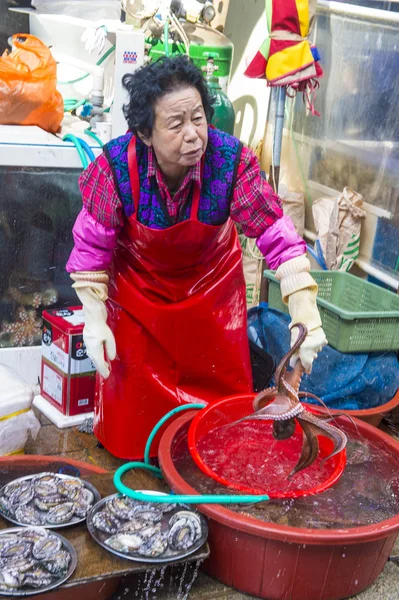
{"x": 73, "y": 521}
{"x": 168, "y": 556}
{"x": 66, "y": 545}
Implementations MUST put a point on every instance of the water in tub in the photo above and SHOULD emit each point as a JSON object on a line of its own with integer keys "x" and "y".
{"x": 366, "y": 493}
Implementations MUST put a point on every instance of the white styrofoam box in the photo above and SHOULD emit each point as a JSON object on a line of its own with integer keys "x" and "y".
{"x": 55, "y": 416}
{"x": 26, "y": 362}
{"x": 17, "y": 421}
{"x": 15, "y": 394}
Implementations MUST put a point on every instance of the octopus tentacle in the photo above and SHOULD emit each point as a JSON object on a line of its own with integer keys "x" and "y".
{"x": 282, "y": 367}
{"x": 263, "y": 398}
{"x": 310, "y": 395}
{"x": 285, "y": 392}
{"x": 310, "y": 448}
{"x": 320, "y": 427}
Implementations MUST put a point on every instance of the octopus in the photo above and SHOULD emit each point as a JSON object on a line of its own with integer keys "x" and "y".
{"x": 26, "y": 330}
{"x": 282, "y": 405}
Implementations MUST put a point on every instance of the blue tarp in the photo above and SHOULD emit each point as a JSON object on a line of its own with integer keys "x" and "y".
{"x": 342, "y": 381}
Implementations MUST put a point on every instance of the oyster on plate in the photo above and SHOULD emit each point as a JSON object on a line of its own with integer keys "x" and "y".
{"x": 31, "y": 558}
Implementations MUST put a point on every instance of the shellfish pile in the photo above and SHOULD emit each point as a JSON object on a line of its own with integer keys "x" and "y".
{"x": 46, "y": 500}
{"x": 147, "y": 529}
{"x": 31, "y": 558}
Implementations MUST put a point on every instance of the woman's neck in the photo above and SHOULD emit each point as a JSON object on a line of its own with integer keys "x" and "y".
{"x": 173, "y": 174}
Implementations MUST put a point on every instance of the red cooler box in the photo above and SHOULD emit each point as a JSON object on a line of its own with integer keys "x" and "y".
{"x": 68, "y": 374}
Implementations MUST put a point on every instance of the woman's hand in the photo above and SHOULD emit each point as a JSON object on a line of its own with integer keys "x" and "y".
{"x": 299, "y": 291}
{"x": 97, "y": 336}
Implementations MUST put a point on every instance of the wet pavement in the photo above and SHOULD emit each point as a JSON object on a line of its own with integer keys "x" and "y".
{"x": 184, "y": 582}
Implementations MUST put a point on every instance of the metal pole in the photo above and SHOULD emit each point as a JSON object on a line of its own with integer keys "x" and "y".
{"x": 279, "y": 99}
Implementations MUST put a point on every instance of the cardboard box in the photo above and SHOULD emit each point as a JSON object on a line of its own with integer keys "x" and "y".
{"x": 68, "y": 375}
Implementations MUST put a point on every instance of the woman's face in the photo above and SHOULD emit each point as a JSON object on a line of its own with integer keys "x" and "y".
{"x": 180, "y": 133}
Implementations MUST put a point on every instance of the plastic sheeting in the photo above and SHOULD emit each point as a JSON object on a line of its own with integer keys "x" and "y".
{"x": 342, "y": 381}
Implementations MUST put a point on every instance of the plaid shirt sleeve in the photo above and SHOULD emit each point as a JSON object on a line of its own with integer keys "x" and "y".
{"x": 254, "y": 206}
{"x": 99, "y": 194}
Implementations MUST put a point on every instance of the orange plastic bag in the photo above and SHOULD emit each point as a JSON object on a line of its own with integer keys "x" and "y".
{"x": 28, "y": 79}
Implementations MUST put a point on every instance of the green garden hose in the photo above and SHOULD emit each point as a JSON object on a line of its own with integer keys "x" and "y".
{"x": 94, "y": 136}
{"x": 174, "y": 498}
{"x": 98, "y": 63}
{"x": 71, "y": 104}
{"x": 71, "y": 138}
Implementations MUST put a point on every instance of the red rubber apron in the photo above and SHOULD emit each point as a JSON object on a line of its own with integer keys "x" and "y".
{"x": 177, "y": 308}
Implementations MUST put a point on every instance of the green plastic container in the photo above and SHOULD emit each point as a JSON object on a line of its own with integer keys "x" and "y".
{"x": 205, "y": 43}
{"x": 357, "y": 315}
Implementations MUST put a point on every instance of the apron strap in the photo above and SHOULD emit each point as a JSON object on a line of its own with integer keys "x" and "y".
{"x": 133, "y": 171}
{"x": 197, "y": 193}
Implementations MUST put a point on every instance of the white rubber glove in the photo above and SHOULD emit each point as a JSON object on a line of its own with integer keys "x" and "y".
{"x": 299, "y": 291}
{"x": 94, "y": 38}
{"x": 98, "y": 337}
{"x": 303, "y": 309}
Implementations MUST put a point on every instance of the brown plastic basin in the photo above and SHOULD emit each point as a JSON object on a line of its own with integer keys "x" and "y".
{"x": 373, "y": 416}
{"x": 279, "y": 562}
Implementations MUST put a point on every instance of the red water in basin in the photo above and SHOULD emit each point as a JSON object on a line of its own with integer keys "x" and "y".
{"x": 248, "y": 456}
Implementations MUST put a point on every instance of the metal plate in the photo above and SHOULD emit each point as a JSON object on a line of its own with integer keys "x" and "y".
{"x": 74, "y": 519}
{"x": 28, "y": 591}
{"x": 168, "y": 556}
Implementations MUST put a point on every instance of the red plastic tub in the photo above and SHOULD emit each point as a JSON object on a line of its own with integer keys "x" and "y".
{"x": 279, "y": 562}
{"x": 232, "y": 409}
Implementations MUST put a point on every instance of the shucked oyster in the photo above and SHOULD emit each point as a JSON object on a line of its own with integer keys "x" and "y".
{"x": 45, "y": 485}
{"x": 124, "y": 542}
{"x": 28, "y": 514}
{"x": 105, "y": 521}
{"x": 61, "y": 513}
{"x": 150, "y": 531}
{"x": 22, "y": 495}
{"x": 43, "y": 492}
{"x": 87, "y": 495}
{"x": 59, "y": 562}
{"x": 181, "y": 514}
{"x": 13, "y": 486}
{"x": 185, "y": 530}
{"x": 147, "y": 513}
{"x": 81, "y": 505}
{"x": 15, "y": 549}
{"x": 70, "y": 488}
{"x": 30, "y": 558}
{"x": 121, "y": 507}
{"x": 37, "y": 578}
{"x": 22, "y": 565}
{"x": 10, "y": 579}
{"x": 134, "y": 526}
{"x": 5, "y": 539}
{"x": 6, "y": 505}
{"x": 32, "y": 534}
{"x": 154, "y": 546}
{"x": 45, "y": 548}
{"x": 46, "y": 503}
{"x": 45, "y": 478}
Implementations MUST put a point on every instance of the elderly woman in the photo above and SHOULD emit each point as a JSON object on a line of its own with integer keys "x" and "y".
{"x": 157, "y": 264}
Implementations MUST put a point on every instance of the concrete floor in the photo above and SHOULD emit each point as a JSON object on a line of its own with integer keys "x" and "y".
{"x": 80, "y": 446}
